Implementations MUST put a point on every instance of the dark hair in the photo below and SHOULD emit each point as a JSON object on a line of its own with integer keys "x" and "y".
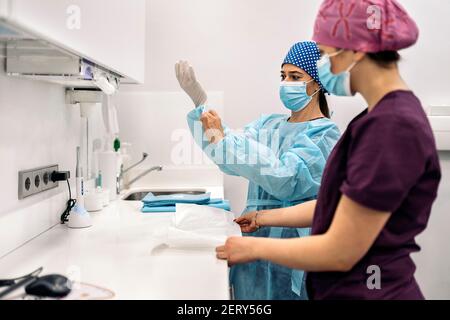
{"x": 385, "y": 59}
{"x": 323, "y": 104}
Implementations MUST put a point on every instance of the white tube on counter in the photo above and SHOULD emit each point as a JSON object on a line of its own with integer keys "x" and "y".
{"x": 108, "y": 163}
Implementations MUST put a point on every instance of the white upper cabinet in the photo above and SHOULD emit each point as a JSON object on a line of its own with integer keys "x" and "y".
{"x": 3, "y": 8}
{"x": 110, "y": 33}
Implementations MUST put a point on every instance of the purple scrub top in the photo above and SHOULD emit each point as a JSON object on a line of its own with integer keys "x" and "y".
{"x": 387, "y": 161}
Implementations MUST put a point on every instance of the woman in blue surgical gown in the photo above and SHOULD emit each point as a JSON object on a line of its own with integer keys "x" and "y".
{"x": 282, "y": 156}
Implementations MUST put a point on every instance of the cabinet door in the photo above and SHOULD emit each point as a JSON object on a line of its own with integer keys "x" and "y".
{"x": 3, "y": 8}
{"x": 110, "y": 33}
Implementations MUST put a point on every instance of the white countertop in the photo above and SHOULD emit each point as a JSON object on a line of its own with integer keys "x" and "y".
{"x": 116, "y": 253}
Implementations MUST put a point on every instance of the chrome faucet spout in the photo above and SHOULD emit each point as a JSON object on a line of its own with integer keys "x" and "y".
{"x": 121, "y": 184}
{"x": 144, "y": 157}
{"x": 143, "y": 174}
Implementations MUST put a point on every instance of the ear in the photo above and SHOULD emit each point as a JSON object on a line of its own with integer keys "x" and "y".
{"x": 316, "y": 86}
{"x": 358, "y": 56}
{"x": 313, "y": 85}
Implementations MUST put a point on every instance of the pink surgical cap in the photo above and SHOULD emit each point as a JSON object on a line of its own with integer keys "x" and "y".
{"x": 365, "y": 25}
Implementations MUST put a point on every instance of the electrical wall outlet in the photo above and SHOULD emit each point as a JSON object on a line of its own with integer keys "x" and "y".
{"x": 35, "y": 181}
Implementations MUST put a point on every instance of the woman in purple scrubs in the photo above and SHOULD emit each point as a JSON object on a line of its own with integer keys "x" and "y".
{"x": 380, "y": 180}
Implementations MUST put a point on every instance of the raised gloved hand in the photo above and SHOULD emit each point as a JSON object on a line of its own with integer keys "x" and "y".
{"x": 186, "y": 77}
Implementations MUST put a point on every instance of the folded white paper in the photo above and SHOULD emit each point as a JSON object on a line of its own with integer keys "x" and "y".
{"x": 197, "y": 226}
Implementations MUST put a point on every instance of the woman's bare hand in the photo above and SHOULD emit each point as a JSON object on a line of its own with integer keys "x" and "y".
{"x": 212, "y": 124}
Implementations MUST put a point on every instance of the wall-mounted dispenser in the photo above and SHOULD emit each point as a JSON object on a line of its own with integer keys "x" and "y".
{"x": 89, "y": 100}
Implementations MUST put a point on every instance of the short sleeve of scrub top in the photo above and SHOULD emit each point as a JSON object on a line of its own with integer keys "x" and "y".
{"x": 381, "y": 171}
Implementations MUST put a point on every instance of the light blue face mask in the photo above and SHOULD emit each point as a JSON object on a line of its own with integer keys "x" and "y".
{"x": 295, "y": 96}
{"x": 337, "y": 84}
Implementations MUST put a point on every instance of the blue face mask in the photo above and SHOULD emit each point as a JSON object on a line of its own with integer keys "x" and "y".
{"x": 337, "y": 84}
{"x": 294, "y": 95}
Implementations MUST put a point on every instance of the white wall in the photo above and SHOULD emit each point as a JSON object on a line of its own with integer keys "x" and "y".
{"x": 37, "y": 129}
{"x": 237, "y": 47}
{"x": 169, "y": 144}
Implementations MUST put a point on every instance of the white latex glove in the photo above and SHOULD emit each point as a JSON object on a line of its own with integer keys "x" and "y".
{"x": 186, "y": 77}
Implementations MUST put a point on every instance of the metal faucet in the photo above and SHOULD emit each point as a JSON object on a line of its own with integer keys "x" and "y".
{"x": 123, "y": 171}
{"x": 121, "y": 186}
{"x": 146, "y": 172}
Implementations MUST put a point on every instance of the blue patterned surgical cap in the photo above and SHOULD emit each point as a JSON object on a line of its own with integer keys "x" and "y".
{"x": 305, "y": 56}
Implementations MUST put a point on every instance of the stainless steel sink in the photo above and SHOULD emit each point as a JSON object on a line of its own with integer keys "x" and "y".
{"x": 138, "y": 196}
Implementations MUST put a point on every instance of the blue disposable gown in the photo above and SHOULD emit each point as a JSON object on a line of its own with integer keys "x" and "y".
{"x": 283, "y": 163}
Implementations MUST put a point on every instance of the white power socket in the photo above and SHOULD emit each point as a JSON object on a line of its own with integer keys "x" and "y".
{"x": 35, "y": 181}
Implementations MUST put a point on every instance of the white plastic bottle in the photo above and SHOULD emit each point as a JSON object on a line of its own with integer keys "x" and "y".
{"x": 108, "y": 163}
{"x": 125, "y": 159}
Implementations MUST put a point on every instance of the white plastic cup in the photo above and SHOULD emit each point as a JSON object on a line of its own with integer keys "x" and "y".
{"x": 93, "y": 202}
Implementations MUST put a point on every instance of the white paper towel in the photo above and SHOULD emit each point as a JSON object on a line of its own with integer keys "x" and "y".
{"x": 107, "y": 164}
{"x": 110, "y": 117}
{"x": 196, "y": 226}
